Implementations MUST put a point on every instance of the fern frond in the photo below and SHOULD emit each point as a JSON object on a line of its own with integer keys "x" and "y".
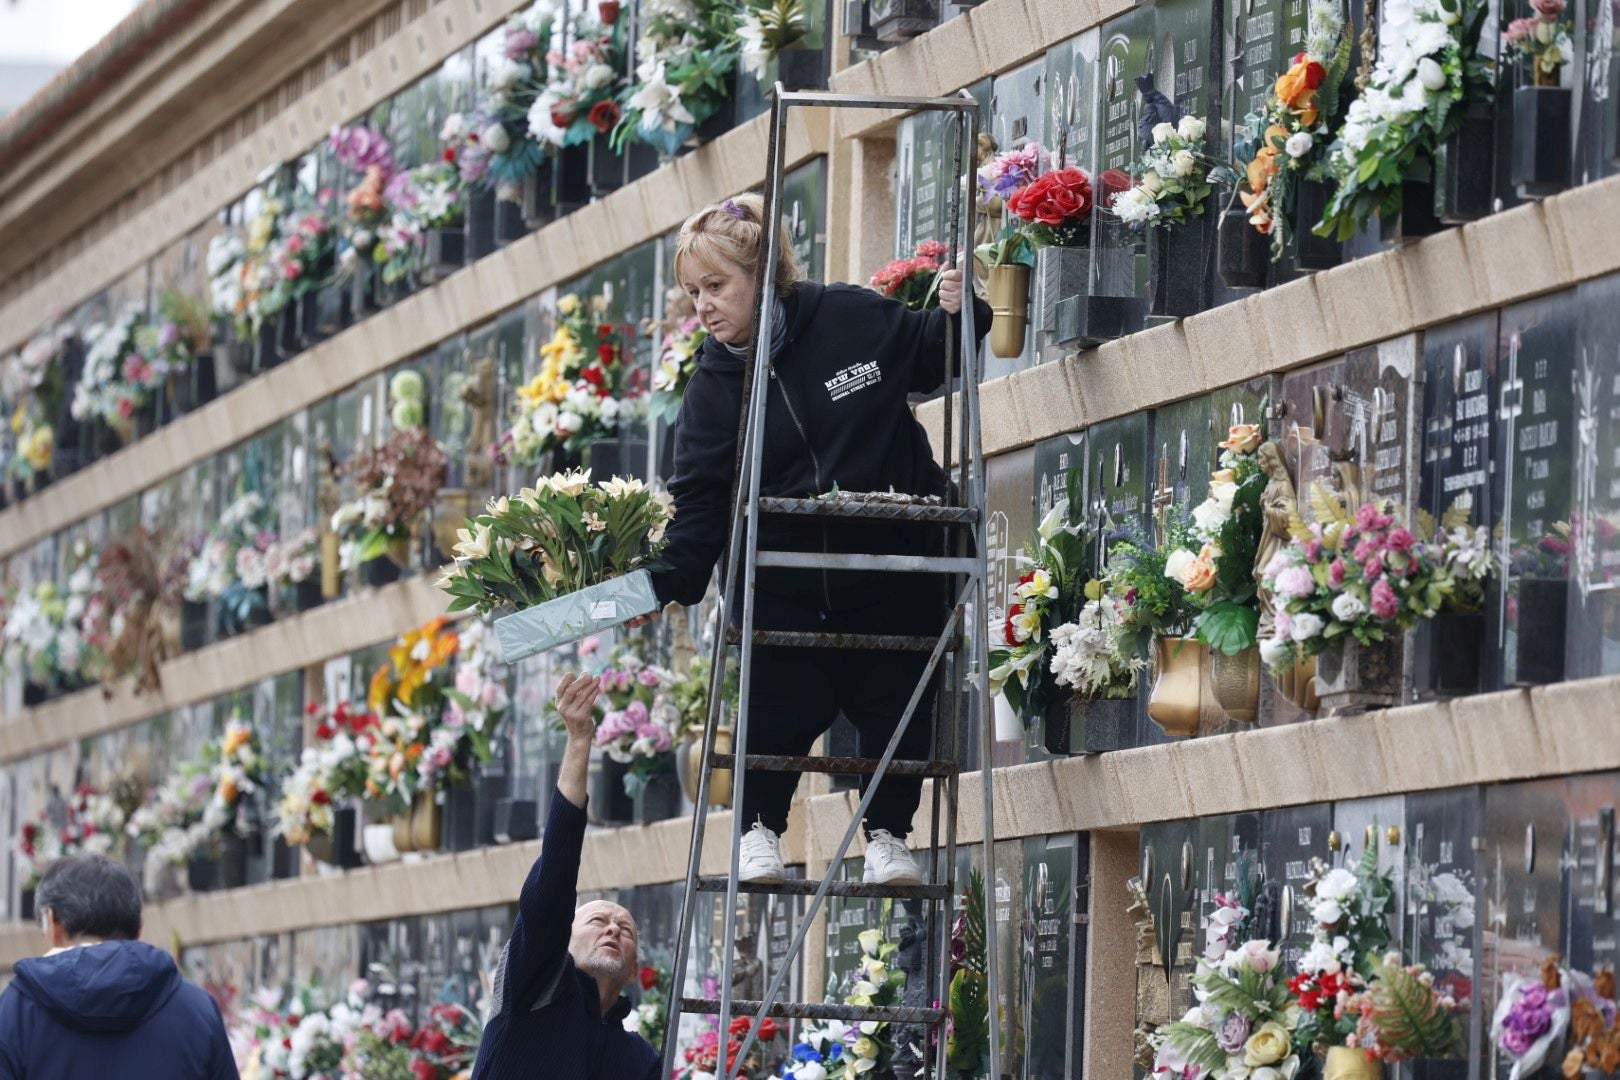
{"x": 1409, "y": 1017}
{"x": 1423, "y": 525}
{"x": 1296, "y": 525}
{"x": 1455, "y": 515}
{"x": 1327, "y": 506}
{"x": 1196, "y": 1044}
{"x": 973, "y": 932}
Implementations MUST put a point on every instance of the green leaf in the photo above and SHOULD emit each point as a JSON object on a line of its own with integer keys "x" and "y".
{"x": 1228, "y": 627}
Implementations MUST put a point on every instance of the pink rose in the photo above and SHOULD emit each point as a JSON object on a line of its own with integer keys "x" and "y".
{"x": 1549, "y": 9}
{"x": 1336, "y": 573}
{"x": 1384, "y": 604}
{"x": 1296, "y": 581}
{"x": 1373, "y": 568}
{"x": 1400, "y": 539}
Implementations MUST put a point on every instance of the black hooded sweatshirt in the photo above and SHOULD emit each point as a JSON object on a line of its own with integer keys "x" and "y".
{"x": 837, "y": 415}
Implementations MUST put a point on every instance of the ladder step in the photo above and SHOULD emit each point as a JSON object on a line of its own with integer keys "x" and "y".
{"x": 837, "y": 766}
{"x": 841, "y": 560}
{"x": 797, "y": 1010}
{"x": 856, "y": 889}
{"x": 797, "y": 639}
{"x": 929, "y": 512}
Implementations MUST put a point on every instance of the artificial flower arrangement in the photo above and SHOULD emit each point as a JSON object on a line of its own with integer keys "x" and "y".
{"x": 838, "y": 1051}
{"x": 235, "y": 765}
{"x": 583, "y": 392}
{"x": 230, "y": 565}
{"x": 1226, "y": 526}
{"x": 331, "y": 770}
{"x": 1055, "y": 207}
{"x": 1363, "y": 576}
{"x": 290, "y": 562}
{"x": 492, "y": 146}
{"x": 176, "y": 819}
{"x": 1594, "y": 1030}
{"x": 967, "y": 1027}
{"x": 1150, "y": 602}
{"x": 1541, "y": 41}
{"x": 371, "y": 231}
{"x": 91, "y": 823}
{"x": 32, "y": 384}
{"x": 685, "y": 58}
{"x": 1288, "y": 141}
{"x": 563, "y": 539}
{"x": 43, "y": 632}
{"x": 1244, "y": 1020}
{"x": 1429, "y": 66}
{"x": 700, "y": 1060}
{"x": 1467, "y": 556}
{"x": 397, "y": 481}
{"x": 675, "y": 369}
{"x": 1174, "y": 178}
{"x": 412, "y": 751}
{"x": 636, "y": 715}
{"x": 477, "y": 701}
{"x": 118, "y": 381}
{"x": 1094, "y": 655}
{"x": 764, "y": 29}
{"x": 287, "y": 249}
{"x": 1350, "y": 910}
{"x": 914, "y": 281}
{"x": 1533, "y": 1016}
{"x": 1003, "y": 177}
{"x": 182, "y": 331}
{"x": 648, "y": 1018}
{"x": 131, "y": 602}
{"x": 580, "y": 100}
{"x": 1047, "y": 595}
{"x": 1405, "y": 1014}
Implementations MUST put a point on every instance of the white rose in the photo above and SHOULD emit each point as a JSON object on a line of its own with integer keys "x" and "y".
{"x": 1191, "y": 128}
{"x": 597, "y": 76}
{"x": 1305, "y": 626}
{"x": 1327, "y": 912}
{"x": 1336, "y": 884}
{"x": 1175, "y": 567}
{"x": 1161, "y": 132}
{"x": 453, "y": 129}
{"x": 495, "y": 139}
{"x": 1150, "y": 182}
{"x": 1182, "y": 163}
{"x": 1431, "y": 74}
{"x": 1210, "y": 515}
{"x": 1347, "y": 607}
{"x": 1299, "y": 144}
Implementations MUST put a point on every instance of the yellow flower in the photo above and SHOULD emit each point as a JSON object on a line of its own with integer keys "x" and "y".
{"x": 1242, "y": 438}
{"x": 1267, "y": 1046}
{"x": 380, "y": 690}
{"x": 19, "y": 420}
{"x": 1094, "y": 589}
{"x": 569, "y": 304}
{"x": 235, "y": 737}
{"x": 38, "y": 447}
{"x": 865, "y": 1047}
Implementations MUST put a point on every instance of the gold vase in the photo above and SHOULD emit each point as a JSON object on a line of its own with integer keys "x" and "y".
{"x": 1178, "y": 665}
{"x": 1350, "y": 1063}
{"x": 1235, "y": 683}
{"x": 689, "y": 767}
{"x": 1009, "y": 301}
{"x": 1298, "y": 683}
{"x": 402, "y": 832}
{"x": 331, "y": 565}
{"x": 425, "y": 818}
{"x": 449, "y": 515}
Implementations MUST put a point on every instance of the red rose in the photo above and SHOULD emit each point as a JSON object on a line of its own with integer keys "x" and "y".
{"x": 424, "y": 1070}
{"x": 324, "y": 730}
{"x": 1115, "y": 181}
{"x": 604, "y": 115}
{"x": 608, "y": 11}
{"x": 561, "y": 117}
{"x": 649, "y": 977}
{"x": 605, "y": 353}
{"x": 1315, "y": 74}
{"x": 604, "y": 331}
{"x": 313, "y": 707}
{"x": 320, "y": 798}
{"x": 767, "y": 1030}
{"x": 593, "y": 375}
{"x": 449, "y": 154}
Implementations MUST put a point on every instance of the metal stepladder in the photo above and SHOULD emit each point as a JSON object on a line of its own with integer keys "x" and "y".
{"x": 961, "y": 561}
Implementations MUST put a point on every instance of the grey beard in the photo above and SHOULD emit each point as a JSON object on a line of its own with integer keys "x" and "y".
{"x": 599, "y": 966}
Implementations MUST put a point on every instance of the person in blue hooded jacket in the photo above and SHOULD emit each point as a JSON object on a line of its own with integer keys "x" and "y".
{"x": 99, "y": 1003}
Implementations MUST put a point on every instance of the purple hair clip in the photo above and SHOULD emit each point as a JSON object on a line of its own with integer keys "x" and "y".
{"x": 730, "y": 207}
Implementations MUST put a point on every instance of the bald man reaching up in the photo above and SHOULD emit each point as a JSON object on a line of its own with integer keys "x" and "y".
{"x": 557, "y": 1008}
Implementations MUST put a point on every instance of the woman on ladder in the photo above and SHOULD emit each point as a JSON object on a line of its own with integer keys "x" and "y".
{"x": 843, "y": 360}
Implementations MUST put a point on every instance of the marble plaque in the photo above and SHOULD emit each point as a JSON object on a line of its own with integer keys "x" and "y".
{"x": 1591, "y": 924}
{"x": 1118, "y": 502}
{"x": 1128, "y": 50}
{"x": 1595, "y": 519}
{"x": 1051, "y": 997}
{"x": 1289, "y": 839}
{"x": 1444, "y": 916}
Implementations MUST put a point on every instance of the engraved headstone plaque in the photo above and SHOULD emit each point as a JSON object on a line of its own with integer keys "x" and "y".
{"x": 1169, "y": 875}
{"x": 1009, "y": 532}
{"x": 1443, "y": 915}
{"x": 1051, "y": 999}
{"x": 1590, "y": 923}
{"x": 1289, "y": 839}
{"x": 1595, "y": 519}
{"x": 1128, "y": 50}
{"x": 1070, "y": 98}
{"x": 1535, "y": 455}
{"x": 1227, "y": 863}
{"x": 1118, "y": 502}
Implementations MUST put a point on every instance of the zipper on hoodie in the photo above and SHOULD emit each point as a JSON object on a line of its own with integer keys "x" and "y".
{"x": 815, "y": 467}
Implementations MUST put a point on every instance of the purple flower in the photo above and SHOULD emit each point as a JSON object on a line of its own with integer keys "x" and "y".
{"x": 1532, "y": 998}
{"x": 519, "y": 40}
{"x": 1233, "y": 1034}
{"x": 647, "y": 677}
{"x": 636, "y": 713}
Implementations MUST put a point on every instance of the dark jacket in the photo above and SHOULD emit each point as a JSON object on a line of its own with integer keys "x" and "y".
{"x": 545, "y": 1014}
{"x": 837, "y": 416}
{"x": 116, "y": 1009}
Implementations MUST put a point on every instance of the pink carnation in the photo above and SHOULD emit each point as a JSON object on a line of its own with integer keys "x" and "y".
{"x": 1336, "y": 573}
{"x": 1383, "y": 601}
{"x": 1296, "y": 581}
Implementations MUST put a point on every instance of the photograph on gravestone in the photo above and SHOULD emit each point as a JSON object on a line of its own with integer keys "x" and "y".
{"x": 1009, "y": 539}
{"x": 1017, "y": 113}
{"x": 1444, "y": 918}
{"x": 1186, "y": 69}
{"x": 1453, "y": 654}
{"x": 1119, "y": 262}
{"x": 1523, "y": 884}
{"x": 1592, "y": 930}
{"x": 1045, "y": 936}
{"x": 1595, "y": 516}
{"x": 1118, "y": 504}
{"x": 1535, "y": 454}
{"x": 1290, "y": 837}
{"x": 1168, "y": 874}
{"x": 1062, "y": 273}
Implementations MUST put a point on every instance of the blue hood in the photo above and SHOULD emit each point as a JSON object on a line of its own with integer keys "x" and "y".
{"x": 111, "y": 986}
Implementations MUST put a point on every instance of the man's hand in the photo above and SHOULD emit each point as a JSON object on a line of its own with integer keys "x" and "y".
{"x": 642, "y": 620}
{"x": 950, "y": 290}
{"x": 576, "y": 694}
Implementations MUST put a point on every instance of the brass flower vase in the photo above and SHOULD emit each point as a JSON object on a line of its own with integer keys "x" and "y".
{"x": 402, "y": 832}
{"x": 1350, "y": 1063}
{"x": 1298, "y": 683}
{"x": 1009, "y": 302}
{"x": 1235, "y": 682}
{"x": 689, "y": 767}
{"x": 1179, "y": 665}
{"x": 426, "y": 817}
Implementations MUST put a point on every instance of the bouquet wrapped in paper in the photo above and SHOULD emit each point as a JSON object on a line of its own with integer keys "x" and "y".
{"x": 560, "y": 560}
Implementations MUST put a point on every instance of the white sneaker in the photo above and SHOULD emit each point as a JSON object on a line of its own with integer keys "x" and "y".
{"x": 760, "y": 858}
{"x": 888, "y": 862}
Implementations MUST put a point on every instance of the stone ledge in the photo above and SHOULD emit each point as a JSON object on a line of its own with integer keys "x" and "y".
{"x": 289, "y": 643}
{"x": 1491, "y": 738}
{"x": 1368, "y": 300}
{"x": 485, "y": 289}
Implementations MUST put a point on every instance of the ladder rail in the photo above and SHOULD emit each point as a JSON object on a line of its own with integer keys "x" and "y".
{"x": 811, "y": 910}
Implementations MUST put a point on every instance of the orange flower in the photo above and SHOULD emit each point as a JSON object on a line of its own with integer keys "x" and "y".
{"x": 381, "y": 689}
{"x": 1262, "y": 169}
{"x": 413, "y": 751}
{"x": 227, "y": 790}
{"x": 1299, "y": 82}
{"x": 396, "y": 764}
{"x": 235, "y": 736}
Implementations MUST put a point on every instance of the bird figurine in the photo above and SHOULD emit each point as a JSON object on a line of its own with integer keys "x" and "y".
{"x": 1156, "y": 109}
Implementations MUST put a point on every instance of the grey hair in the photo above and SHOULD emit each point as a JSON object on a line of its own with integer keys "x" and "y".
{"x": 91, "y": 896}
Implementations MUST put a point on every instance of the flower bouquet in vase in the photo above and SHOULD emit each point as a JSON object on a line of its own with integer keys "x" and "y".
{"x": 685, "y": 75}
{"x": 1456, "y": 635}
{"x": 398, "y": 482}
{"x": 1542, "y": 120}
{"x": 1008, "y": 258}
{"x": 635, "y": 727}
{"x": 1220, "y": 578}
{"x": 562, "y": 559}
{"x": 412, "y": 752}
{"x": 179, "y": 342}
{"x": 1241, "y": 1025}
{"x": 1154, "y": 609}
{"x": 314, "y": 808}
{"x": 1346, "y": 587}
{"x": 913, "y": 281}
{"x": 119, "y": 383}
{"x": 1404, "y": 1014}
{"x": 1055, "y": 208}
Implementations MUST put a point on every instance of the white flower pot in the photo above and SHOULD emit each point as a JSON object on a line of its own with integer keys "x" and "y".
{"x": 1009, "y": 726}
{"x": 379, "y": 843}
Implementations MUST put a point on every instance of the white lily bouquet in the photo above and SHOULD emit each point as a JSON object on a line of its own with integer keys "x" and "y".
{"x": 560, "y": 560}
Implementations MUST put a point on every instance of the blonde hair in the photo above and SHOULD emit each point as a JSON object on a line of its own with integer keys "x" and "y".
{"x": 733, "y": 231}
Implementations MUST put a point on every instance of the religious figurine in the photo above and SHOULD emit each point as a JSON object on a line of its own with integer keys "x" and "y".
{"x": 1279, "y": 504}
{"x": 990, "y": 213}
{"x": 478, "y": 394}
